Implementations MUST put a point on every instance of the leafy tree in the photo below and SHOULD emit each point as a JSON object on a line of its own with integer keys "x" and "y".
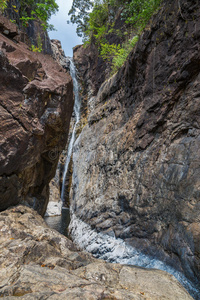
{"x": 98, "y": 23}
{"x": 91, "y": 15}
{"x": 25, "y": 10}
{"x": 80, "y": 15}
{"x": 138, "y": 12}
{"x": 3, "y": 5}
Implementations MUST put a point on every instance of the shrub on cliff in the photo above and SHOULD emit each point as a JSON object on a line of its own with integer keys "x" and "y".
{"x": 97, "y": 24}
{"x": 138, "y": 12}
{"x": 3, "y": 5}
{"x": 95, "y": 18}
{"x": 23, "y": 11}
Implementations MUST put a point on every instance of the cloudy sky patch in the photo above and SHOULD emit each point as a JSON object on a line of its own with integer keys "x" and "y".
{"x": 66, "y": 33}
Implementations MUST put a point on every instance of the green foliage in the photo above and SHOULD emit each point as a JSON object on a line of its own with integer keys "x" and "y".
{"x": 79, "y": 13}
{"x": 134, "y": 41}
{"x": 98, "y": 18}
{"x": 35, "y": 49}
{"x": 13, "y": 21}
{"x": 90, "y": 16}
{"x": 108, "y": 51}
{"x": 121, "y": 56}
{"x": 138, "y": 12}
{"x": 3, "y": 5}
{"x": 116, "y": 53}
{"x": 43, "y": 11}
{"x": 100, "y": 22}
{"x": 27, "y": 10}
{"x": 39, "y": 46}
{"x": 25, "y": 20}
{"x": 101, "y": 19}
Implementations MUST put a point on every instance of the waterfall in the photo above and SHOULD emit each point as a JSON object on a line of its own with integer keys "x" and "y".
{"x": 77, "y": 118}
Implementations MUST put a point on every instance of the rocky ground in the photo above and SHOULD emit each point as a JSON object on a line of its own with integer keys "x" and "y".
{"x": 37, "y": 262}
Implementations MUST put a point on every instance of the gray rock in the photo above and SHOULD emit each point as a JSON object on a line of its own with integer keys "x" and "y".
{"x": 37, "y": 262}
{"x": 136, "y": 168}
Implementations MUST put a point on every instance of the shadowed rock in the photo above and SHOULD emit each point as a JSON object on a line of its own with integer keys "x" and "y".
{"x": 36, "y": 102}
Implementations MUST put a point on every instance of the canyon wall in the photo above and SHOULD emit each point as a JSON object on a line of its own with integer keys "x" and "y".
{"x": 36, "y": 103}
{"x": 136, "y": 170}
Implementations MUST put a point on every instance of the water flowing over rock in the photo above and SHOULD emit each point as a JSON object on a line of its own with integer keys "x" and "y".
{"x": 136, "y": 171}
{"x": 37, "y": 262}
{"x": 60, "y": 184}
{"x": 36, "y": 103}
{"x": 77, "y": 118}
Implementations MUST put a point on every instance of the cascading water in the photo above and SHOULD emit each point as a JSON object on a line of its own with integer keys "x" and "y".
{"x": 77, "y": 118}
{"x": 116, "y": 250}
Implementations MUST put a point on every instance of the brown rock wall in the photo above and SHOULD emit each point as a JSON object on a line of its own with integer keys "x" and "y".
{"x": 36, "y": 102}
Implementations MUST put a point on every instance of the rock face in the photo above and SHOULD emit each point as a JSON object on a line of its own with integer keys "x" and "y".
{"x": 37, "y": 262}
{"x": 136, "y": 167}
{"x": 36, "y": 102}
{"x": 57, "y": 181}
{"x": 59, "y": 55}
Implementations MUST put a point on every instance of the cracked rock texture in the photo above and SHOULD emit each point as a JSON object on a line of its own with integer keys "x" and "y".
{"x": 59, "y": 54}
{"x": 37, "y": 262}
{"x": 136, "y": 170}
{"x": 36, "y": 103}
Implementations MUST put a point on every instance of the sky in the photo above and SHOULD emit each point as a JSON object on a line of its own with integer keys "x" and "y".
{"x": 66, "y": 33}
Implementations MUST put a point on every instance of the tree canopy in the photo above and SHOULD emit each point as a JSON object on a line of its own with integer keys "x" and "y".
{"x": 96, "y": 21}
{"x": 25, "y": 10}
{"x": 92, "y": 16}
{"x": 80, "y": 14}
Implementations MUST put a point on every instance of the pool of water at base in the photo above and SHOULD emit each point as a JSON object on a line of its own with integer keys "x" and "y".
{"x": 59, "y": 223}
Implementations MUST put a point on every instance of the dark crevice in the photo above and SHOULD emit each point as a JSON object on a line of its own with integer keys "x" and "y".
{"x": 16, "y": 119}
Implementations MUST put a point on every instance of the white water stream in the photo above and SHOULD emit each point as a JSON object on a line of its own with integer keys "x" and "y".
{"x": 77, "y": 118}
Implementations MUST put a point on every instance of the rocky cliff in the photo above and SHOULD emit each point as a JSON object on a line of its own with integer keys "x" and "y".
{"x": 136, "y": 163}
{"x": 36, "y": 103}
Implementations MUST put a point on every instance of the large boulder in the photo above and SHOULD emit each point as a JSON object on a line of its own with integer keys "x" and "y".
{"x": 36, "y": 103}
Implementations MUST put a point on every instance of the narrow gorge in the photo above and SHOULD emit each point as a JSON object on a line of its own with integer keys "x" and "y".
{"x": 122, "y": 144}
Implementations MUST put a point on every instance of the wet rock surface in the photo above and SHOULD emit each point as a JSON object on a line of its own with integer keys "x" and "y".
{"x": 36, "y": 103}
{"x": 37, "y": 262}
{"x": 136, "y": 163}
{"x": 57, "y": 181}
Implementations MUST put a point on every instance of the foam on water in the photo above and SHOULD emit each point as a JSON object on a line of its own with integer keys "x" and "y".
{"x": 109, "y": 248}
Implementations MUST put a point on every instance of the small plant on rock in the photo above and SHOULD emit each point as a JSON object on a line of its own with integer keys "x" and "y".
{"x": 3, "y": 5}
